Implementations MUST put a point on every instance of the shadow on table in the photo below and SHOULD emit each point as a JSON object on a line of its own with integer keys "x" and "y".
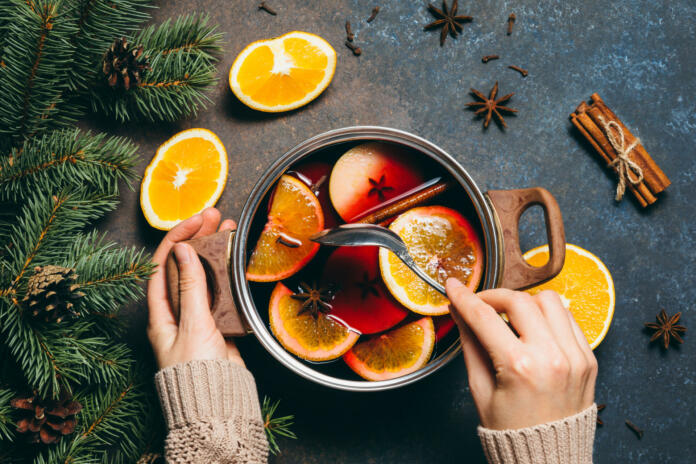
{"x": 433, "y": 420}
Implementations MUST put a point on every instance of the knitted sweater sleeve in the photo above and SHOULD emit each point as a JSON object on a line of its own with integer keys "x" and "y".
{"x": 567, "y": 441}
{"x": 212, "y": 412}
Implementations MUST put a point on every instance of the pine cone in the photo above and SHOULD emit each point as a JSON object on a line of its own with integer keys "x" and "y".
{"x": 123, "y": 64}
{"x": 46, "y": 421}
{"x": 52, "y": 293}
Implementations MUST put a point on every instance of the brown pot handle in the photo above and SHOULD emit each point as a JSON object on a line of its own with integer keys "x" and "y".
{"x": 509, "y": 205}
{"x": 214, "y": 251}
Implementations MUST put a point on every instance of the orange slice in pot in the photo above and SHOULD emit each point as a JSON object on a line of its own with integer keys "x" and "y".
{"x": 284, "y": 73}
{"x": 444, "y": 244}
{"x": 311, "y": 336}
{"x": 283, "y": 247}
{"x": 395, "y": 353}
{"x": 187, "y": 175}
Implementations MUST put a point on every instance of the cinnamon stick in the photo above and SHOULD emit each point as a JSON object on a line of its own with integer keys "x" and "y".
{"x": 589, "y": 130}
{"x": 654, "y": 176}
{"x": 401, "y": 203}
{"x": 590, "y": 120}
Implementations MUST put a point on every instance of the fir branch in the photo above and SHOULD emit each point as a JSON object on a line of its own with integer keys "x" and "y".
{"x": 67, "y": 158}
{"x": 117, "y": 416}
{"x": 87, "y": 359}
{"x": 35, "y": 62}
{"x": 99, "y": 23}
{"x": 54, "y": 355}
{"x": 182, "y": 68}
{"x": 108, "y": 276}
{"x": 188, "y": 34}
{"x": 7, "y": 425}
{"x": 5, "y": 6}
{"x": 275, "y": 426}
{"x": 44, "y": 228}
{"x": 28, "y": 349}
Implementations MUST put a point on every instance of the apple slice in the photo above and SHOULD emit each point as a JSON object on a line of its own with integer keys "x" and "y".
{"x": 370, "y": 174}
{"x": 361, "y": 300}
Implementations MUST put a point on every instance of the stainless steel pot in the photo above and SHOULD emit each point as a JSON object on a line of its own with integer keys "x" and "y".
{"x": 224, "y": 254}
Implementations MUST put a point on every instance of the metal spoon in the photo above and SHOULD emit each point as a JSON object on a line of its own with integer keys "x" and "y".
{"x": 374, "y": 235}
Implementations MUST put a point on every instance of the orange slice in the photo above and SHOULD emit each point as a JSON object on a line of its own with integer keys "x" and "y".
{"x": 187, "y": 175}
{"x": 585, "y": 287}
{"x": 444, "y": 244}
{"x": 284, "y": 73}
{"x": 283, "y": 247}
{"x": 312, "y": 338}
{"x": 394, "y": 353}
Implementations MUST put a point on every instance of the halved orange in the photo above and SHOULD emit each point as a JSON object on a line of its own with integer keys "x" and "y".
{"x": 283, "y": 247}
{"x": 444, "y": 244}
{"x": 319, "y": 338}
{"x": 394, "y": 353}
{"x": 284, "y": 73}
{"x": 187, "y": 175}
{"x": 585, "y": 287}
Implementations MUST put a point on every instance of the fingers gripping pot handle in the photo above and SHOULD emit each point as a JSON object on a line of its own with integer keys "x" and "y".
{"x": 214, "y": 251}
{"x": 509, "y": 205}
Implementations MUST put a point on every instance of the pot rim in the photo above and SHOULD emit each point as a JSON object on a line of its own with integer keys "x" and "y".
{"x": 487, "y": 219}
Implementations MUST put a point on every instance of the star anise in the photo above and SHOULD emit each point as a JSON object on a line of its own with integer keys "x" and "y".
{"x": 368, "y": 286}
{"x": 490, "y": 105}
{"x": 314, "y": 299}
{"x": 667, "y": 328}
{"x": 449, "y": 21}
{"x": 379, "y": 187}
{"x": 600, "y": 408}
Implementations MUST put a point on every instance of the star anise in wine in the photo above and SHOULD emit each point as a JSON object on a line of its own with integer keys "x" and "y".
{"x": 490, "y": 106}
{"x": 667, "y": 328}
{"x": 368, "y": 286}
{"x": 379, "y": 187}
{"x": 448, "y": 20}
{"x": 314, "y": 299}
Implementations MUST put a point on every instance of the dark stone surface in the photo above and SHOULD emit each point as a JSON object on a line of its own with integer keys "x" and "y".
{"x": 637, "y": 54}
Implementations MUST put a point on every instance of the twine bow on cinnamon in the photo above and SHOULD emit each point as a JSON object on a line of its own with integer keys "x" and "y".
{"x": 623, "y": 165}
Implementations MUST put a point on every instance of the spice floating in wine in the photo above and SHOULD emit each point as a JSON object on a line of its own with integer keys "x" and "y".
{"x": 299, "y": 322}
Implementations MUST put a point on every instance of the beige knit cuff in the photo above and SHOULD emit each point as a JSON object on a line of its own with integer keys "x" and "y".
{"x": 567, "y": 440}
{"x": 204, "y": 390}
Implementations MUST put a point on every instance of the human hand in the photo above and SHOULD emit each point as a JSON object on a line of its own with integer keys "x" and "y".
{"x": 545, "y": 374}
{"x": 196, "y": 336}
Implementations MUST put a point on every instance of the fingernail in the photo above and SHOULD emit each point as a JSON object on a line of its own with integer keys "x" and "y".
{"x": 453, "y": 283}
{"x": 182, "y": 253}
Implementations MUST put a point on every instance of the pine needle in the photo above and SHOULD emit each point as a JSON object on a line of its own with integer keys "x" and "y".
{"x": 6, "y": 423}
{"x": 276, "y": 427}
{"x": 67, "y": 158}
{"x": 33, "y": 74}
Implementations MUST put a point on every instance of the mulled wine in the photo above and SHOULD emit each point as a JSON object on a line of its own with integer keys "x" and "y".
{"x": 358, "y": 311}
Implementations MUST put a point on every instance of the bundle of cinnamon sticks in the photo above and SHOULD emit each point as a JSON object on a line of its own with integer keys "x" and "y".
{"x": 591, "y": 120}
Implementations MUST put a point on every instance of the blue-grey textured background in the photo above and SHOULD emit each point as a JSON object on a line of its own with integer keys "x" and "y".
{"x": 638, "y": 55}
